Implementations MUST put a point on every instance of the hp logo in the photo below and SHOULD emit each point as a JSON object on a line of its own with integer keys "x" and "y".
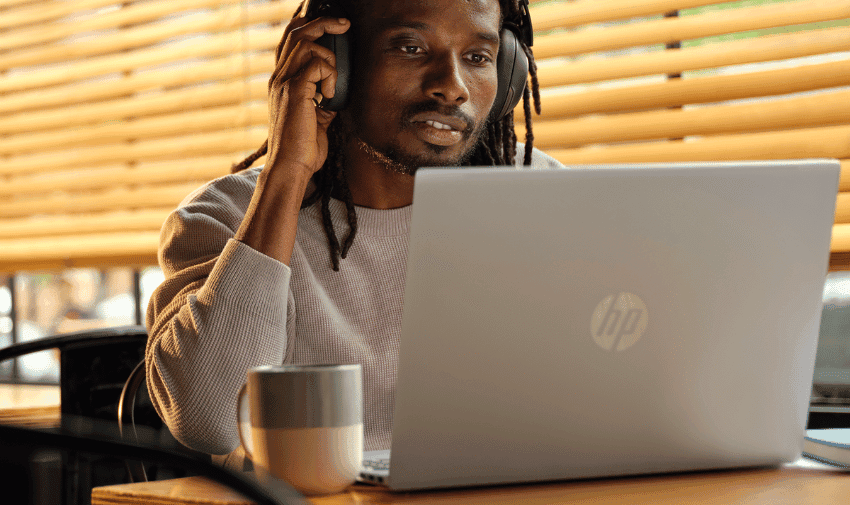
{"x": 619, "y": 321}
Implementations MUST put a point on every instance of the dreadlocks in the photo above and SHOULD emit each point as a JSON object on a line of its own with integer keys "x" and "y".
{"x": 497, "y": 146}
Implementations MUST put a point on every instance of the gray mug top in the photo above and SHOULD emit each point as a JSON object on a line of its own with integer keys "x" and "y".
{"x": 305, "y": 396}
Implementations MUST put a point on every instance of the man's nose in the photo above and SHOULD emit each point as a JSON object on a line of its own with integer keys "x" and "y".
{"x": 445, "y": 81}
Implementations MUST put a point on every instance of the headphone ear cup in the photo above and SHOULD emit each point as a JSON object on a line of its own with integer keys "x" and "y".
{"x": 512, "y": 69}
{"x": 341, "y": 46}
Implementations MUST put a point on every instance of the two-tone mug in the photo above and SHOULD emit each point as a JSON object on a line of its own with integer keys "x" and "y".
{"x": 306, "y": 424}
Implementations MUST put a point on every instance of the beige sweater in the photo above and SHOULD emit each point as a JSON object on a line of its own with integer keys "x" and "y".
{"x": 224, "y": 308}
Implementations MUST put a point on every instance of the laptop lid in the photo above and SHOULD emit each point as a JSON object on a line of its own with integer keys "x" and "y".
{"x": 595, "y": 322}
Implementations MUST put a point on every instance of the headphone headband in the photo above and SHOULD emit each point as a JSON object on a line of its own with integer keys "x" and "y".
{"x": 524, "y": 30}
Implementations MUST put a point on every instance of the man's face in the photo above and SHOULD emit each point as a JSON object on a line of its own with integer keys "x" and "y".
{"x": 425, "y": 78}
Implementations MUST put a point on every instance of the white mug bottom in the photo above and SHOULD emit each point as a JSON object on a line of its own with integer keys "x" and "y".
{"x": 312, "y": 460}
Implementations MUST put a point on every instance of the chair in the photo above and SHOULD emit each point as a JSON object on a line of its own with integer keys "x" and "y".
{"x": 94, "y": 365}
{"x": 127, "y": 412}
{"x": 134, "y": 404}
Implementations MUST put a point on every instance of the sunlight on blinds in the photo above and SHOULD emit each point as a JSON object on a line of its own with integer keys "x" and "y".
{"x": 648, "y": 81}
{"x": 112, "y": 112}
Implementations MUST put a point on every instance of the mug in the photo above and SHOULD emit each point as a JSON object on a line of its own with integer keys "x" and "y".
{"x": 306, "y": 424}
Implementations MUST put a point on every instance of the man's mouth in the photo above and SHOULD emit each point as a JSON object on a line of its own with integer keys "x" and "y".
{"x": 440, "y": 121}
{"x": 439, "y": 129}
{"x": 441, "y": 126}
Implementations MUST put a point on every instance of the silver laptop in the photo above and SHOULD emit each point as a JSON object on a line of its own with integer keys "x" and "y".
{"x": 607, "y": 321}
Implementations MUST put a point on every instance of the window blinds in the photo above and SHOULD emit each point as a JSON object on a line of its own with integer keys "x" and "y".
{"x": 111, "y": 113}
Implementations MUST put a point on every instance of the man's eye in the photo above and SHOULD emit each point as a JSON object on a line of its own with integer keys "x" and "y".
{"x": 479, "y": 59}
{"x": 411, "y": 49}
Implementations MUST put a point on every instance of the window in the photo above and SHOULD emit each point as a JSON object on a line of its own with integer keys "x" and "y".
{"x": 35, "y": 305}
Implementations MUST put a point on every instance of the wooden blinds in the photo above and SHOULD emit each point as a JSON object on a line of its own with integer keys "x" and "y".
{"x": 112, "y": 112}
{"x": 688, "y": 80}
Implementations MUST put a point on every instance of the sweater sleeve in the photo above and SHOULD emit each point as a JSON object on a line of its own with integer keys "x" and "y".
{"x": 221, "y": 310}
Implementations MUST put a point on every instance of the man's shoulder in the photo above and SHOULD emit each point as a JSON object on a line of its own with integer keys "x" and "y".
{"x": 207, "y": 217}
{"x": 229, "y": 187}
{"x": 539, "y": 159}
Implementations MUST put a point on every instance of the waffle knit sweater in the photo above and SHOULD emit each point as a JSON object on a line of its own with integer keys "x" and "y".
{"x": 225, "y": 307}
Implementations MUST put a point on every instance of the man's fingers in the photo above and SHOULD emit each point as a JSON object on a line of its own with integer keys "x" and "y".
{"x": 296, "y": 22}
{"x": 322, "y": 76}
{"x": 314, "y": 29}
{"x": 299, "y": 30}
{"x": 316, "y": 78}
{"x": 303, "y": 53}
{"x": 293, "y": 24}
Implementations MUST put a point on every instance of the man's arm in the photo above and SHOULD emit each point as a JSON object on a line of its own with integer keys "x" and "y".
{"x": 222, "y": 308}
{"x": 298, "y": 141}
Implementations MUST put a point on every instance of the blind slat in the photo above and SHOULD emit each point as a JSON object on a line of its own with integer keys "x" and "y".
{"x": 123, "y": 249}
{"x": 828, "y": 142}
{"x": 196, "y": 169}
{"x": 569, "y": 14}
{"x": 694, "y": 90}
{"x": 11, "y": 4}
{"x": 801, "y": 112}
{"x": 144, "y": 36}
{"x": 123, "y": 221}
{"x": 768, "y": 48}
{"x": 46, "y": 11}
{"x": 222, "y": 70}
{"x": 844, "y": 183}
{"x": 217, "y": 45}
{"x": 842, "y": 208}
{"x": 142, "y": 12}
{"x": 226, "y": 142}
{"x": 840, "y": 238}
{"x": 117, "y": 199}
{"x": 177, "y": 101}
{"x": 131, "y": 259}
{"x": 674, "y": 29}
{"x": 175, "y": 125}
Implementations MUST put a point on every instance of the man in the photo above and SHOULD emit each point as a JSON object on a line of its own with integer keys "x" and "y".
{"x": 248, "y": 279}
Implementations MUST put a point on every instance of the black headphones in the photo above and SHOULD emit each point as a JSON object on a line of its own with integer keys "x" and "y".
{"x": 511, "y": 64}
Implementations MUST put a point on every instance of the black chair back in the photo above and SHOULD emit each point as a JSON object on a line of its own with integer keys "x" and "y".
{"x": 94, "y": 365}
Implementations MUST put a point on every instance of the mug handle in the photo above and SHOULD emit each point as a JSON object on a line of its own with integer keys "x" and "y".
{"x": 243, "y": 427}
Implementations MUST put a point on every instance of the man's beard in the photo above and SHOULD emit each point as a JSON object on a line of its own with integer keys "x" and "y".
{"x": 395, "y": 159}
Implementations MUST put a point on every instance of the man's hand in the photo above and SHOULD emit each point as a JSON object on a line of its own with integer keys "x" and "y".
{"x": 298, "y": 136}
{"x": 297, "y": 128}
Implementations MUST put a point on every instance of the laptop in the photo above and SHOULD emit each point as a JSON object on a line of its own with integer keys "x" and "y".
{"x": 607, "y": 321}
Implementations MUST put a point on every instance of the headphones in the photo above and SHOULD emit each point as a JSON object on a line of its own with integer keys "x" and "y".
{"x": 511, "y": 63}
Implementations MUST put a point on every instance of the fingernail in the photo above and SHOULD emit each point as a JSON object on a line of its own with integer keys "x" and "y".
{"x": 342, "y": 21}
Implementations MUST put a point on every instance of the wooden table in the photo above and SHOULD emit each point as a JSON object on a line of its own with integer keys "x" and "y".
{"x": 32, "y": 406}
{"x": 799, "y": 483}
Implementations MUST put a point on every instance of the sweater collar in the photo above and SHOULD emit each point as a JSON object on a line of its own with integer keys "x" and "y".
{"x": 374, "y": 222}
